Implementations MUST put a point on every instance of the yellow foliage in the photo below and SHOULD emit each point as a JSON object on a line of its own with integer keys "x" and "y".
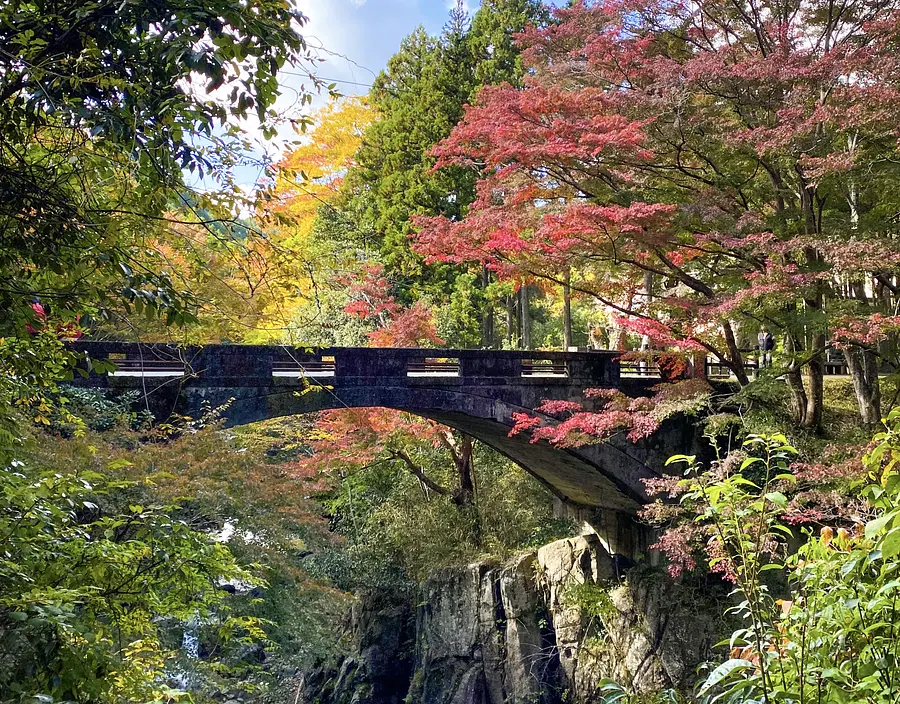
{"x": 305, "y": 180}
{"x": 313, "y": 173}
{"x": 249, "y": 285}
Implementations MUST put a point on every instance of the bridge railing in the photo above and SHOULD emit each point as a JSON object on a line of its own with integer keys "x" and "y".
{"x": 715, "y": 369}
{"x": 252, "y": 365}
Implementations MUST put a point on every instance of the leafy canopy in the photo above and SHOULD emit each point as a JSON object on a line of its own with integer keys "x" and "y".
{"x": 103, "y": 106}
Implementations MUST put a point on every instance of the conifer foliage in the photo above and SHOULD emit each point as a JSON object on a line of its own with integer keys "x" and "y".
{"x": 419, "y": 99}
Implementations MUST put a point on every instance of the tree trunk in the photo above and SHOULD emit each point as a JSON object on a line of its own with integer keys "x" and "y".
{"x": 567, "y": 312}
{"x": 511, "y": 321}
{"x": 617, "y": 338}
{"x": 465, "y": 493}
{"x": 462, "y": 458}
{"x": 795, "y": 383}
{"x": 487, "y": 313}
{"x": 648, "y": 299}
{"x": 462, "y": 449}
{"x": 736, "y": 363}
{"x": 798, "y": 396}
{"x": 815, "y": 397}
{"x": 863, "y": 366}
{"x": 885, "y": 292}
{"x": 525, "y": 315}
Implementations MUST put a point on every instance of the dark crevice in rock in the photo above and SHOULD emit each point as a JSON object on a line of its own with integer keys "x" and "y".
{"x": 654, "y": 649}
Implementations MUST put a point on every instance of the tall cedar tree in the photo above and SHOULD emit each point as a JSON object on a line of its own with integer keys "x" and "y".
{"x": 419, "y": 98}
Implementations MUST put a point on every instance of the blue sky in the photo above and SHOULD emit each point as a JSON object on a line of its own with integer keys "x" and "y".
{"x": 354, "y": 39}
{"x": 367, "y": 32}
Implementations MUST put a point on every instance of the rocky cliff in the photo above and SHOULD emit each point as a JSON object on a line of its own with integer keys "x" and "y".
{"x": 544, "y": 627}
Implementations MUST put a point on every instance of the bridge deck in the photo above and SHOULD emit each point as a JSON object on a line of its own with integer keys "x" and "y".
{"x": 479, "y": 392}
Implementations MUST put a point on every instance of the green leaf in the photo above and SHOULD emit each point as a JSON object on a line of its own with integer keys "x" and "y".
{"x": 875, "y": 526}
{"x": 785, "y": 477}
{"x": 777, "y": 498}
{"x": 784, "y": 530}
{"x": 890, "y": 544}
{"x": 726, "y": 669}
{"x": 889, "y": 587}
{"x": 749, "y": 461}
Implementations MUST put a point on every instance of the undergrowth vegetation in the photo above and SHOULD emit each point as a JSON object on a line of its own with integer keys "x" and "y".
{"x": 390, "y": 524}
{"x": 816, "y": 594}
{"x": 127, "y": 539}
{"x": 121, "y": 541}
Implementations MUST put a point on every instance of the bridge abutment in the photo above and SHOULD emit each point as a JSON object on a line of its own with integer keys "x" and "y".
{"x": 620, "y": 532}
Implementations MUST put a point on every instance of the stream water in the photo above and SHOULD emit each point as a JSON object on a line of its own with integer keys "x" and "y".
{"x": 190, "y": 641}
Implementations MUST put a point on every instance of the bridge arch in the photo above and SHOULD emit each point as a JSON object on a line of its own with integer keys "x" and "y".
{"x": 473, "y": 391}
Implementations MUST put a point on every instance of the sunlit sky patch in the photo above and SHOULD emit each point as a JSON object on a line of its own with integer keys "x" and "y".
{"x": 354, "y": 39}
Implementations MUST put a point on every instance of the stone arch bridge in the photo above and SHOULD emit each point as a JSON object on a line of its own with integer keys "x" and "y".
{"x": 474, "y": 391}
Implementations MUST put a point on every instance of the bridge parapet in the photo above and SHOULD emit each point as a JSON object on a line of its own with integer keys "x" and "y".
{"x": 478, "y": 392}
{"x": 268, "y": 365}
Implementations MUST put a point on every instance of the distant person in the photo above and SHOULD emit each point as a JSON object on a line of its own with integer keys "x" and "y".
{"x": 595, "y": 337}
{"x": 68, "y": 332}
{"x": 766, "y": 344}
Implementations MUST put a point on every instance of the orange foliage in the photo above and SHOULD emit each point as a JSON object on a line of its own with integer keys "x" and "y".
{"x": 356, "y": 437}
{"x": 313, "y": 173}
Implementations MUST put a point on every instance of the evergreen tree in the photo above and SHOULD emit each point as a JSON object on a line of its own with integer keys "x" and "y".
{"x": 492, "y": 36}
{"x": 414, "y": 114}
{"x": 419, "y": 98}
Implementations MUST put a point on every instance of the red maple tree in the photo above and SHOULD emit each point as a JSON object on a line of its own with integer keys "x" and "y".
{"x": 396, "y": 326}
{"x": 707, "y": 168}
{"x": 355, "y": 438}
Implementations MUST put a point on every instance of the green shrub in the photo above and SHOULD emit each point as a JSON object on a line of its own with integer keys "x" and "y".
{"x": 87, "y": 589}
{"x": 833, "y": 637}
{"x": 396, "y": 534}
{"x": 820, "y": 622}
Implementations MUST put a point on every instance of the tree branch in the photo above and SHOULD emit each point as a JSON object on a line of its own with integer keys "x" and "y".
{"x": 417, "y": 472}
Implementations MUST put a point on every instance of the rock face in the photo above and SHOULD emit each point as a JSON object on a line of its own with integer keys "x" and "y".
{"x": 379, "y": 667}
{"x": 545, "y": 627}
